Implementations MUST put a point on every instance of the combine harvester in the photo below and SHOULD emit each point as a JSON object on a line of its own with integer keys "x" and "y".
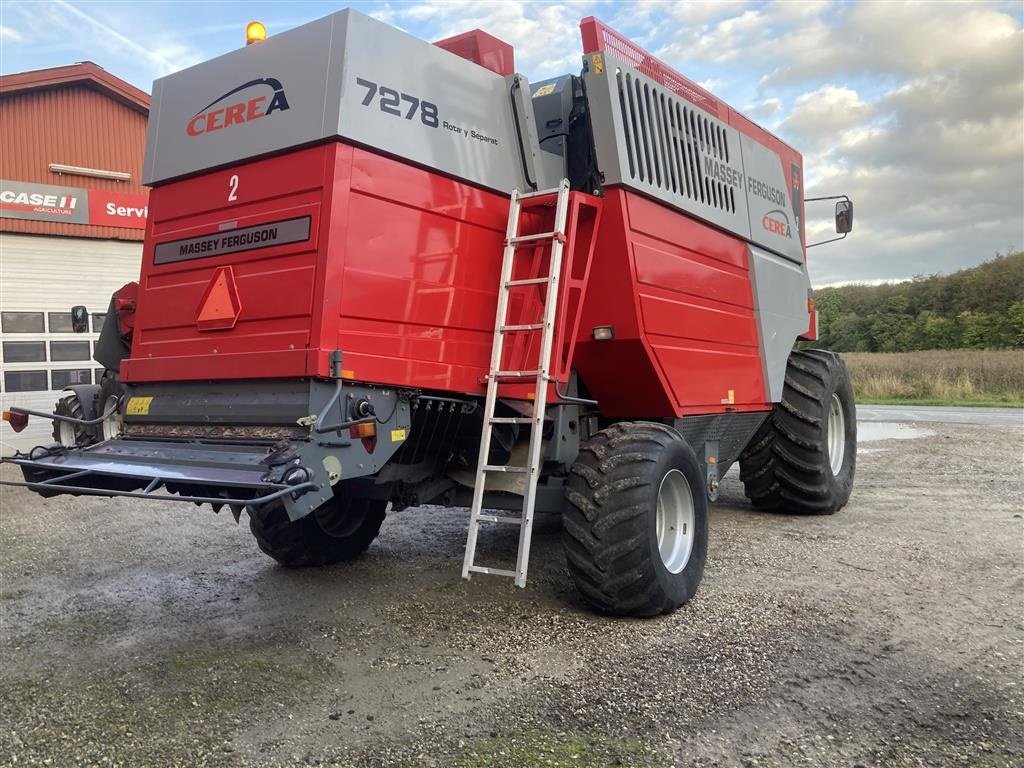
{"x": 340, "y": 307}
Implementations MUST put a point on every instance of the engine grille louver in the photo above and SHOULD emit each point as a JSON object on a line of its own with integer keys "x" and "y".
{"x": 667, "y": 141}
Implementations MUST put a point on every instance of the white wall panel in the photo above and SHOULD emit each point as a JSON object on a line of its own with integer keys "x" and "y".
{"x": 51, "y": 274}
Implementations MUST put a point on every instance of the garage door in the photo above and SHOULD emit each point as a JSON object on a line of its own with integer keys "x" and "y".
{"x": 41, "y": 278}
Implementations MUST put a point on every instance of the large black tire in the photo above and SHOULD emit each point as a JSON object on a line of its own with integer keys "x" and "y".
{"x": 787, "y": 467}
{"x": 610, "y": 526}
{"x": 65, "y": 433}
{"x": 339, "y": 530}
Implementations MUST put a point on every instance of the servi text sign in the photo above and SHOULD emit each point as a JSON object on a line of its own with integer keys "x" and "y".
{"x": 72, "y": 205}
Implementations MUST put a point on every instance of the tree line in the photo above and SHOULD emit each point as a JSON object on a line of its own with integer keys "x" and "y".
{"x": 981, "y": 307}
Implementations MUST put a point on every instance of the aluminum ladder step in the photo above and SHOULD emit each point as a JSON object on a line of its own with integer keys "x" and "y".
{"x": 517, "y": 374}
{"x": 512, "y": 469}
{"x": 526, "y": 327}
{"x": 534, "y": 238}
{"x": 491, "y": 571}
{"x": 541, "y": 375}
{"x": 528, "y": 281}
{"x": 511, "y": 520}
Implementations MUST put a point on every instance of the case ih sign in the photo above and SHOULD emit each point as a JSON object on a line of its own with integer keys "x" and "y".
{"x": 72, "y": 205}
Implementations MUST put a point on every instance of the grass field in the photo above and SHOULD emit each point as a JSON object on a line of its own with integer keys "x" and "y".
{"x": 939, "y": 377}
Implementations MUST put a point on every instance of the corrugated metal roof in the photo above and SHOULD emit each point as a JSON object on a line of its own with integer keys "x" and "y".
{"x": 84, "y": 72}
{"x": 72, "y": 124}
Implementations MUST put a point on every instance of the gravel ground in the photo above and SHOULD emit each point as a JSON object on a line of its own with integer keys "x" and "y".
{"x": 890, "y": 634}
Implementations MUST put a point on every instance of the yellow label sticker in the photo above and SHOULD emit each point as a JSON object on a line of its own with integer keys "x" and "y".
{"x": 397, "y": 435}
{"x": 544, "y": 90}
{"x": 732, "y": 396}
{"x": 138, "y": 406}
{"x": 598, "y": 63}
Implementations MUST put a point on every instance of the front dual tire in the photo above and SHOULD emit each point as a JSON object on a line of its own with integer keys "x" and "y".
{"x": 803, "y": 458}
{"x": 337, "y": 531}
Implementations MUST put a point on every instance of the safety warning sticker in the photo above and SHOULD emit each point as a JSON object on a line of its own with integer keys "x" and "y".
{"x": 138, "y": 406}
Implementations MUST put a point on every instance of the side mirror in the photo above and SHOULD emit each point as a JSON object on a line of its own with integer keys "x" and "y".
{"x": 844, "y": 216}
{"x": 79, "y": 319}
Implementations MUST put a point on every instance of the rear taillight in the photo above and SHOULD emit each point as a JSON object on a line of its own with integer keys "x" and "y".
{"x": 18, "y": 421}
{"x": 365, "y": 429}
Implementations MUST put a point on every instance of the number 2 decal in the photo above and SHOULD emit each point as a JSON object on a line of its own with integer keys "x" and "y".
{"x": 233, "y": 188}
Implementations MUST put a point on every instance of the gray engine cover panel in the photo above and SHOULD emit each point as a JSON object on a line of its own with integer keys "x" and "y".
{"x": 649, "y": 139}
{"x": 317, "y": 66}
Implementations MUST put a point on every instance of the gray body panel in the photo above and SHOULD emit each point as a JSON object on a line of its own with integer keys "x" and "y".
{"x": 416, "y": 101}
{"x": 781, "y": 289}
{"x": 651, "y": 140}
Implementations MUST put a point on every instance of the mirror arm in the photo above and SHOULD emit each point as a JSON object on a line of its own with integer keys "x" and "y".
{"x": 819, "y": 199}
{"x": 830, "y": 197}
{"x": 822, "y": 242}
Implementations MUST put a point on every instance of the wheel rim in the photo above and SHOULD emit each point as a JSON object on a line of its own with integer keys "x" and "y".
{"x": 67, "y": 435}
{"x": 339, "y": 521}
{"x": 675, "y": 521}
{"x": 112, "y": 425}
{"x": 836, "y": 434}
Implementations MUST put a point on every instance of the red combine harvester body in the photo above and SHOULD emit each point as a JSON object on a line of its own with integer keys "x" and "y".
{"x": 339, "y": 308}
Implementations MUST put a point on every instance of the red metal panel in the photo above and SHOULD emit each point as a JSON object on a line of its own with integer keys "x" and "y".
{"x": 420, "y": 275}
{"x": 681, "y": 232}
{"x": 621, "y": 374}
{"x": 688, "y": 271}
{"x": 483, "y": 49}
{"x": 400, "y": 273}
{"x": 678, "y": 294}
{"x": 275, "y": 285}
{"x": 684, "y": 316}
{"x": 711, "y": 378}
{"x": 72, "y": 125}
{"x": 696, "y": 306}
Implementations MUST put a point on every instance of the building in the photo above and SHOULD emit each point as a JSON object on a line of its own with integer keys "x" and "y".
{"x": 72, "y": 220}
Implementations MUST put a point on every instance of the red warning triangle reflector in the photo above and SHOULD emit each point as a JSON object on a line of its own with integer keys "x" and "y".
{"x": 220, "y": 305}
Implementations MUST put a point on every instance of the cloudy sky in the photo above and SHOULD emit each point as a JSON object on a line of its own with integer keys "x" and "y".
{"x": 916, "y": 110}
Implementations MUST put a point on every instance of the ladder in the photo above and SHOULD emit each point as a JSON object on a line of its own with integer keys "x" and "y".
{"x": 514, "y": 241}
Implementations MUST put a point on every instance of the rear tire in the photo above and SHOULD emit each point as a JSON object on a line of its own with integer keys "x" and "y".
{"x": 803, "y": 458}
{"x": 339, "y": 530}
{"x": 67, "y": 434}
{"x": 635, "y": 526}
{"x": 111, "y": 396}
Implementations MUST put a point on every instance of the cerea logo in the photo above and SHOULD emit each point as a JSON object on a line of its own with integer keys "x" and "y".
{"x": 233, "y": 108}
{"x": 776, "y": 222}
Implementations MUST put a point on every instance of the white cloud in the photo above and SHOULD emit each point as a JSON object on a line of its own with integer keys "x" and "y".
{"x": 545, "y": 37}
{"x": 763, "y": 110}
{"x": 10, "y": 34}
{"x": 914, "y": 109}
{"x": 820, "y": 114}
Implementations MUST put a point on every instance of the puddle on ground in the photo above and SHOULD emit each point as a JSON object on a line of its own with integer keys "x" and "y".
{"x": 872, "y": 431}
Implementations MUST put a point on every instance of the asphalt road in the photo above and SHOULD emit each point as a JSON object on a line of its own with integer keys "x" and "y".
{"x": 889, "y": 635}
{"x": 993, "y": 417}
